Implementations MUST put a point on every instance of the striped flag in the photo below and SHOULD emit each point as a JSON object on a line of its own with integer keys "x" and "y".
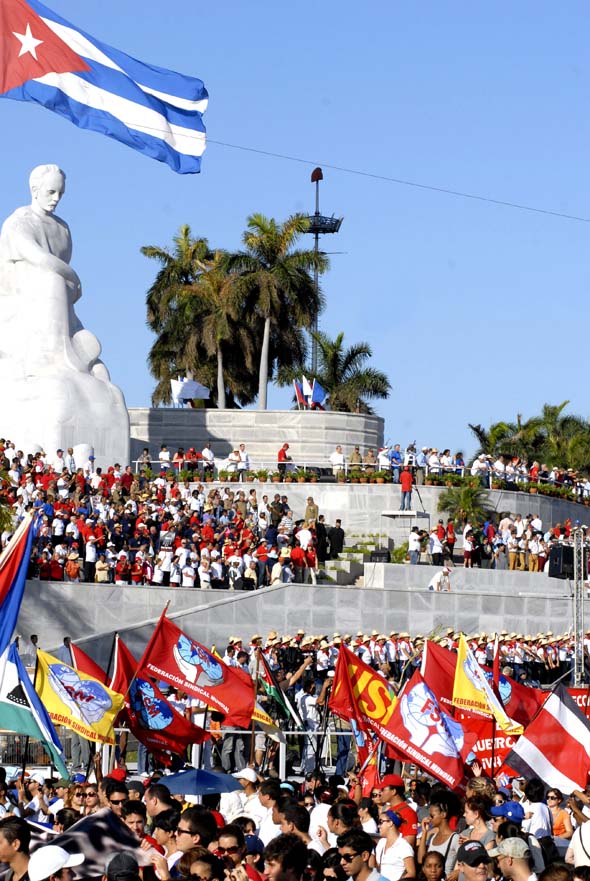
{"x": 45, "y": 59}
{"x": 556, "y": 744}
{"x": 21, "y": 710}
{"x": 274, "y": 690}
{"x": 299, "y": 395}
{"x": 14, "y": 564}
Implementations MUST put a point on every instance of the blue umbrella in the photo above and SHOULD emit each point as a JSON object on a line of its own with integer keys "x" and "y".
{"x": 196, "y": 781}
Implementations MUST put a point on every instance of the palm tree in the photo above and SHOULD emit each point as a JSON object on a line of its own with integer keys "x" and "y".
{"x": 465, "y": 503}
{"x": 180, "y": 267}
{"x": 343, "y": 374}
{"x": 194, "y": 309}
{"x": 276, "y": 283}
{"x": 215, "y": 297}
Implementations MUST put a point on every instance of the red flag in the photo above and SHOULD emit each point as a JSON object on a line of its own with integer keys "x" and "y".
{"x": 29, "y": 49}
{"x": 496, "y": 664}
{"x": 414, "y": 725}
{"x": 173, "y": 656}
{"x": 556, "y": 745}
{"x": 426, "y": 735}
{"x": 360, "y": 694}
{"x": 84, "y": 663}
{"x": 521, "y": 702}
{"x": 151, "y": 718}
{"x": 484, "y": 730}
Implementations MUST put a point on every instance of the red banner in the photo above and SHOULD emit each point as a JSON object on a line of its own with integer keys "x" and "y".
{"x": 174, "y": 657}
{"x": 582, "y": 698}
{"x": 150, "y": 717}
{"x": 414, "y": 725}
{"x": 483, "y": 729}
{"x": 521, "y": 702}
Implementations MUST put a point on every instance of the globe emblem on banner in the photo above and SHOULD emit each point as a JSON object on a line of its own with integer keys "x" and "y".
{"x": 429, "y": 728}
{"x": 504, "y": 686}
{"x": 87, "y": 699}
{"x": 197, "y": 664}
{"x": 154, "y": 713}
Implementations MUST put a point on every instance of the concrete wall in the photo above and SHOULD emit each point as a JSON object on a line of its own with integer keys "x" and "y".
{"x": 396, "y": 597}
{"x": 312, "y": 435}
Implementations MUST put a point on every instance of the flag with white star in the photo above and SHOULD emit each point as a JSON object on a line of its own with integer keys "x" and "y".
{"x": 45, "y": 59}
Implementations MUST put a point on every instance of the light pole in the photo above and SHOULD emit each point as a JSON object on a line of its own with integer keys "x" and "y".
{"x": 579, "y": 592}
{"x": 319, "y": 225}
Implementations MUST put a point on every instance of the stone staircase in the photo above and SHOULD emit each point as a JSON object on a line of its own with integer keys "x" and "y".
{"x": 349, "y": 568}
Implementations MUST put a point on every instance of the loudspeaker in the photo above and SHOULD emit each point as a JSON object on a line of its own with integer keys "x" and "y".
{"x": 561, "y": 562}
{"x": 380, "y": 555}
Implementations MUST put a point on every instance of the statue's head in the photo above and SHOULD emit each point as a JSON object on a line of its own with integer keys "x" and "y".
{"x": 48, "y": 184}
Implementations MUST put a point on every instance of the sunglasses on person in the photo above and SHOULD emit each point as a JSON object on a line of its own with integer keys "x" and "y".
{"x": 79, "y": 794}
{"x": 90, "y": 794}
{"x": 117, "y": 801}
{"x": 552, "y": 798}
{"x": 220, "y": 851}
{"x": 347, "y": 857}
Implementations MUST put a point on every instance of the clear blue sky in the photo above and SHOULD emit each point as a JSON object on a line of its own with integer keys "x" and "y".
{"x": 475, "y": 311}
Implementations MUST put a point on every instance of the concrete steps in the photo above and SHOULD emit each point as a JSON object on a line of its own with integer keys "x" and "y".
{"x": 343, "y": 571}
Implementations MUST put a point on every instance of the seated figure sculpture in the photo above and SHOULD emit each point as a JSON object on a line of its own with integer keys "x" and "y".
{"x": 56, "y": 391}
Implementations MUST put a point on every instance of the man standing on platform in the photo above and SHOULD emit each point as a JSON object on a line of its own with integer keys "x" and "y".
{"x": 406, "y": 480}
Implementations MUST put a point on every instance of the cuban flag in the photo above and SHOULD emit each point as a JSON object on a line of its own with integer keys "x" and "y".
{"x": 14, "y": 563}
{"x": 45, "y": 59}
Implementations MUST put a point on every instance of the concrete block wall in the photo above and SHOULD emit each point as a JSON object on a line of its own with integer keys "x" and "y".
{"x": 312, "y": 436}
{"x": 90, "y": 614}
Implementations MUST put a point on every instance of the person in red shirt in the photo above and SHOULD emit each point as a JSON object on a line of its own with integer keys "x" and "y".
{"x": 392, "y": 794}
{"x": 137, "y": 571}
{"x": 406, "y": 480}
{"x": 451, "y": 537}
{"x": 298, "y": 562}
{"x": 282, "y": 459}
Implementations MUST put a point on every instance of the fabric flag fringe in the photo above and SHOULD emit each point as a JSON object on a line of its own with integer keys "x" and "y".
{"x": 47, "y": 60}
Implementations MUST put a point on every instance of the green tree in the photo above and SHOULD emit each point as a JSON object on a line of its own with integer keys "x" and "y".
{"x": 276, "y": 283}
{"x": 215, "y": 297}
{"x": 343, "y": 373}
{"x": 465, "y": 503}
{"x": 201, "y": 330}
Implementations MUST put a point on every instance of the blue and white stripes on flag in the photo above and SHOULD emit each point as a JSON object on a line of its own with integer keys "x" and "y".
{"x": 14, "y": 564}
{"x": 156, "y": 111}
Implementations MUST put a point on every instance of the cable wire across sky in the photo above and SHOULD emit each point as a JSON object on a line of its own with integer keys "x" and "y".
{"x": 447, "y": 191}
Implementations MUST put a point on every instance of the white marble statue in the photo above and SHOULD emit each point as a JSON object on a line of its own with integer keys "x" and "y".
{"x": 56, "y": 392}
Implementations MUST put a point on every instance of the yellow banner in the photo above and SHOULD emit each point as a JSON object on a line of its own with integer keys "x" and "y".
{"x": 76, "y": 700}
{"x": 472, "y": 692}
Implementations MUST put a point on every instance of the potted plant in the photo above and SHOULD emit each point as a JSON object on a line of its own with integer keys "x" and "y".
{"x": 364, "y": 477}
{"x": 301, "y": 475}
{"x": 250, "y": 475}
{"x": 355, "y": 476}
{"x": 341, "y": 477}
{"x": 223, "y": 474}
{"x": 262, "y": 474}
{"x": 380, "y": 476}
{"x": 184, "y": 475}
{"x": 275, "y": 476}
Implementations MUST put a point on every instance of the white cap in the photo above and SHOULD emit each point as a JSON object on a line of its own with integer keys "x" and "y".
{"x": 38, "y": 777}
{"x": 50, "y": 860}
{"x": 246, "y": 774}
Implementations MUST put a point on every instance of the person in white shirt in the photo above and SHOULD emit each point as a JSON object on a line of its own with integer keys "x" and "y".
{"x": 441, "y": 581}
{"x": 244, "y": 462}
{"x": 336, "y": 460}
{"x": 188, "y": 576}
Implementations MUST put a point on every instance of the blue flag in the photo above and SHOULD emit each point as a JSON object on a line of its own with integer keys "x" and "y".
{"x": 318, "y": 395}
{"x": 45, "y": 59}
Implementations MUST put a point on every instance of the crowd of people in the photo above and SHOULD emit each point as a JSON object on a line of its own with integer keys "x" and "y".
{"x": 130, "y": 528}
{"x": 293, "y": 829}
{"x": 508, "y": 542}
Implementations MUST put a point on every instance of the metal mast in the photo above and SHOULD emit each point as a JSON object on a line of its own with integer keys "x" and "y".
{"x": 319, "y": 225}
{"x": 579, "y": 576}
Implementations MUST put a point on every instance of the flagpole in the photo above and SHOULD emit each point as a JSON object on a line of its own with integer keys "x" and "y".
{"x": 253, "y": 723}
{"x": 24, "y": 767}
{"x": 493, "y": 746}
{"x": 111, "y": 656}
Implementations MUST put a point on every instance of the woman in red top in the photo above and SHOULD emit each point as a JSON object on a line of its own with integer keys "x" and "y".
{"x": 122, "y": 570}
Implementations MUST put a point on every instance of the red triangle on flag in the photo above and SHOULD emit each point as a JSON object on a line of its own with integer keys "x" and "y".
{"x": 29, "y": 48}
